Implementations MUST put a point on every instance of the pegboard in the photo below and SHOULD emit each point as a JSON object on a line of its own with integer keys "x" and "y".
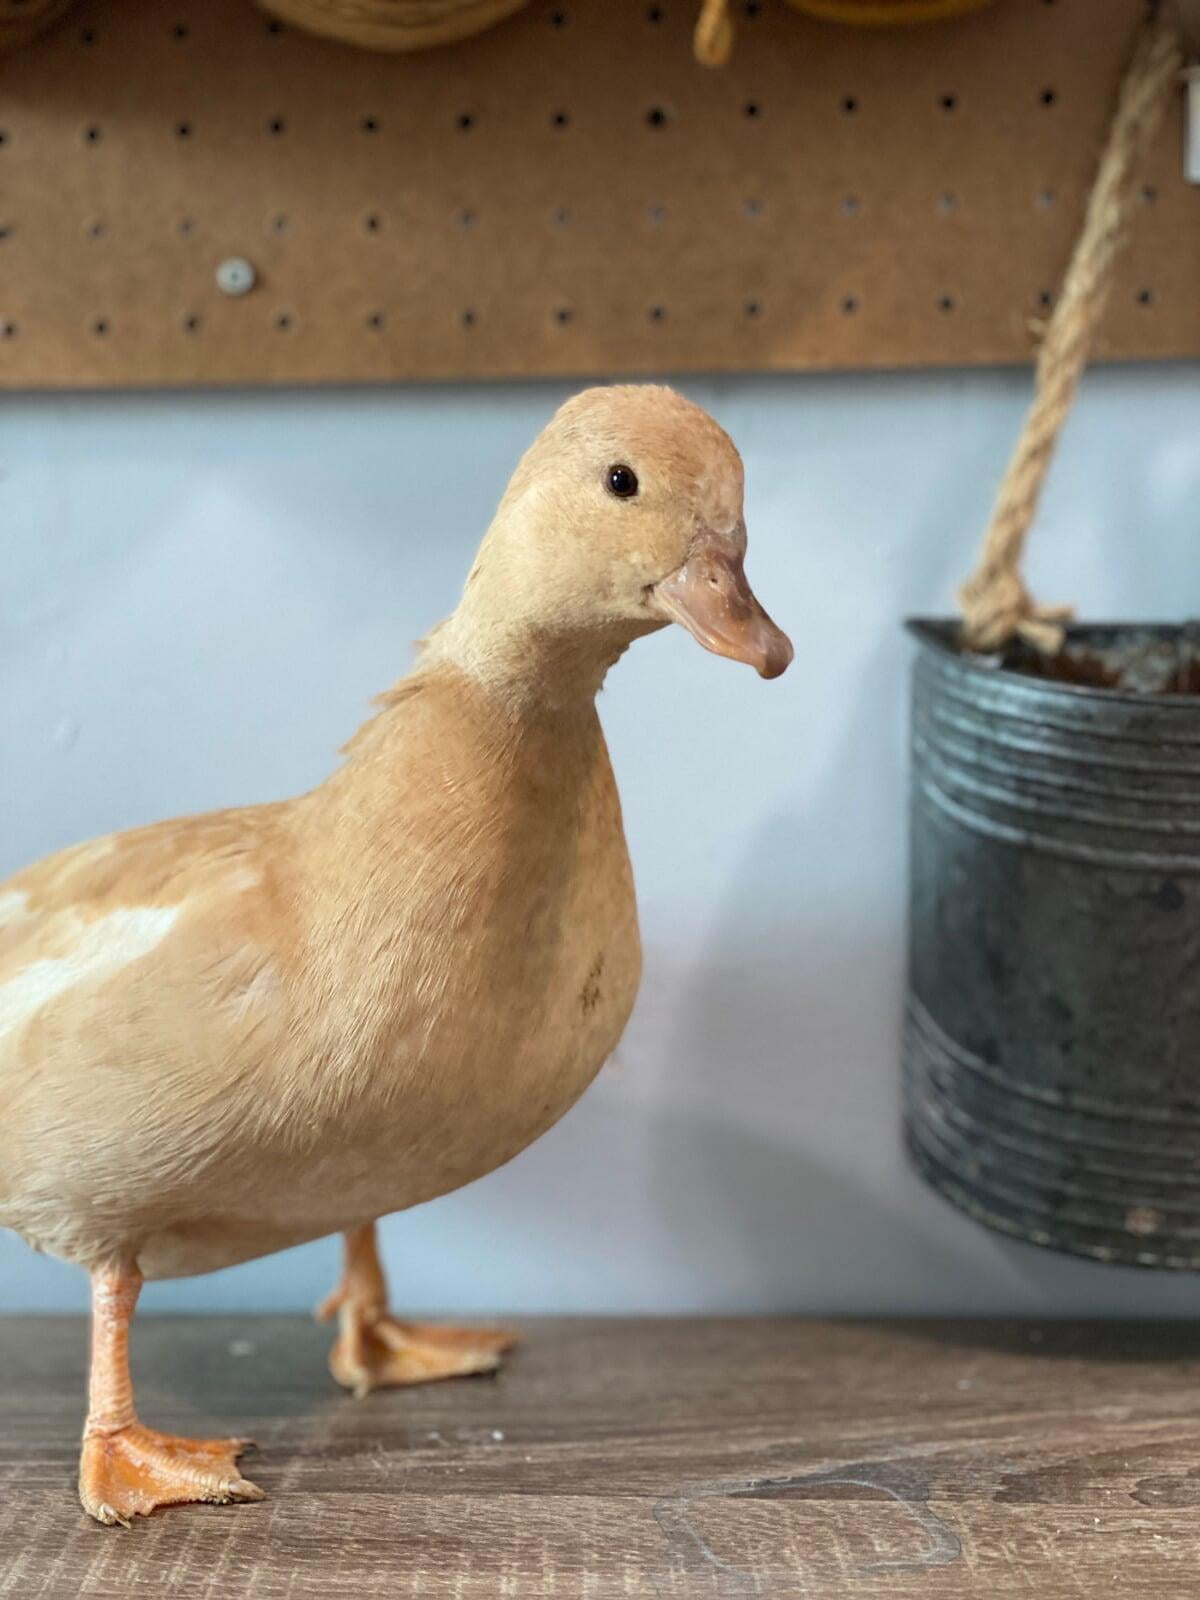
{"x": 568, "y": 193}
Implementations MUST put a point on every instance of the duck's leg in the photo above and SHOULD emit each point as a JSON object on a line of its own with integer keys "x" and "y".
{"x": 126, "y": 1469}
{"x": 373, "y": 1349}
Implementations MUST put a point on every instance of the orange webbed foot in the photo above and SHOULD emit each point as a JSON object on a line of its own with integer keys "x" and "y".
{"x": 374, "y": 1350}
{"x": 131, "y": 1471}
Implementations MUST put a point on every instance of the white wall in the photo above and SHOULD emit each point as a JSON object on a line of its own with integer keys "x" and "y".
{"x": 198, "y": 594}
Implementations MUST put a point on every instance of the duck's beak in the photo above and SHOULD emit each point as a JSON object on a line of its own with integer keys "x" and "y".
{"x": 709, "y": 595}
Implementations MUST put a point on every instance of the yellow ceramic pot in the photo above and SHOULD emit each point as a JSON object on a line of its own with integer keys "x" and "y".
{"x": 393, "y": 24}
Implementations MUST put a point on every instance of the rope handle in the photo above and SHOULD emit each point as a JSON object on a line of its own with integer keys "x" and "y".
{"x": 712, "y": 41}
{"x": 995, "y": 603}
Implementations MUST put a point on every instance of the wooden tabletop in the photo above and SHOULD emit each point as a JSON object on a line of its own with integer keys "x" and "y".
{"x": 655, "y": 1458}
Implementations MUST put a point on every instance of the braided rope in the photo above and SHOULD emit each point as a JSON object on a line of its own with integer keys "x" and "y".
{"x": 713, "y": 38}
{"x": 995, "y": 602}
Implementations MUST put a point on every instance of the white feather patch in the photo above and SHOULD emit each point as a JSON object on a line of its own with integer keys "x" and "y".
{"x": 12, "y": 905}
{"x": 93, "y": 950}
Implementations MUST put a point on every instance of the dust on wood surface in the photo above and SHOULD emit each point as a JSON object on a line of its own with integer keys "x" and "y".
{"x": 656, "y": 1458}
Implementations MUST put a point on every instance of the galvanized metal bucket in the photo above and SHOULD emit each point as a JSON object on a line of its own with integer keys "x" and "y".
{"x": 1052, "y": 1038}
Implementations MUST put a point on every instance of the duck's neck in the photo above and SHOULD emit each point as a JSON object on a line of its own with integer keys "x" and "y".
{"x": 528, "y": 664}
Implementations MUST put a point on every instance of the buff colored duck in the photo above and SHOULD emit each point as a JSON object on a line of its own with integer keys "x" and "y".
{"x": 227, "y": 1034}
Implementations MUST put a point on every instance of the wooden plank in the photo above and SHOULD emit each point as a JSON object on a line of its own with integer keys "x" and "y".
{"x": 655, "y": 1458}
{"x": 567, "y": 193}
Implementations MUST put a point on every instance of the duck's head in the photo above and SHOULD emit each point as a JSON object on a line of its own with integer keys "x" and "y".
{"x": 626, "y": 514}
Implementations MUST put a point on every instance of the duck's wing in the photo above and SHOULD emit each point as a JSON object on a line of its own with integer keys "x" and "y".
{"x": 139, "y": 981}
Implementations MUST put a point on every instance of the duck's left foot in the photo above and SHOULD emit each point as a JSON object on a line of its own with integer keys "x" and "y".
{"x": 374, "y": 1350}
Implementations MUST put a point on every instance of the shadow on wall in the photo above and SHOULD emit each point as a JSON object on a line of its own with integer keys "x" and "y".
{"x": 779, "y": 1208}
{"x": 776, "y": 1207}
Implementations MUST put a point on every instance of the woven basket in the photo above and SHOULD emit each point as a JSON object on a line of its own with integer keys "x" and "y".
{"x": 22, "y": 20}
{"x": 393, "y": 24}
{"x": 713, "y": 37}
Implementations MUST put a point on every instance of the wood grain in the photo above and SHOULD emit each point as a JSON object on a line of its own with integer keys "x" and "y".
{"x": 652, "y": 1458}
{"x": 566, "y": 193}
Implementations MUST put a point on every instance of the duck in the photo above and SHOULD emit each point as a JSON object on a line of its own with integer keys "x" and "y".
{"x": 227, "y": 1034}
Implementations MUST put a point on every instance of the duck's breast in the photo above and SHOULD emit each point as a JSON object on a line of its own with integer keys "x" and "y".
{"x": 483, "y": 975}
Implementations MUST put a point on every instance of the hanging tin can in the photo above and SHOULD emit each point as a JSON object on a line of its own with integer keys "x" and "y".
{"x": 1052, "y": 1038}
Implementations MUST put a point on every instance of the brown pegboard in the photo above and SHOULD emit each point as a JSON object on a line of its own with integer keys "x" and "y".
{"x": 567, "y": 193}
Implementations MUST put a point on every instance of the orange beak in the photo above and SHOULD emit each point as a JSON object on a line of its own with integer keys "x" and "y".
{"x": 710, "y": 597}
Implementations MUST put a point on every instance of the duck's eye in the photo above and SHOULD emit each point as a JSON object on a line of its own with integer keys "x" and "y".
{"x": 622, "y": 481}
